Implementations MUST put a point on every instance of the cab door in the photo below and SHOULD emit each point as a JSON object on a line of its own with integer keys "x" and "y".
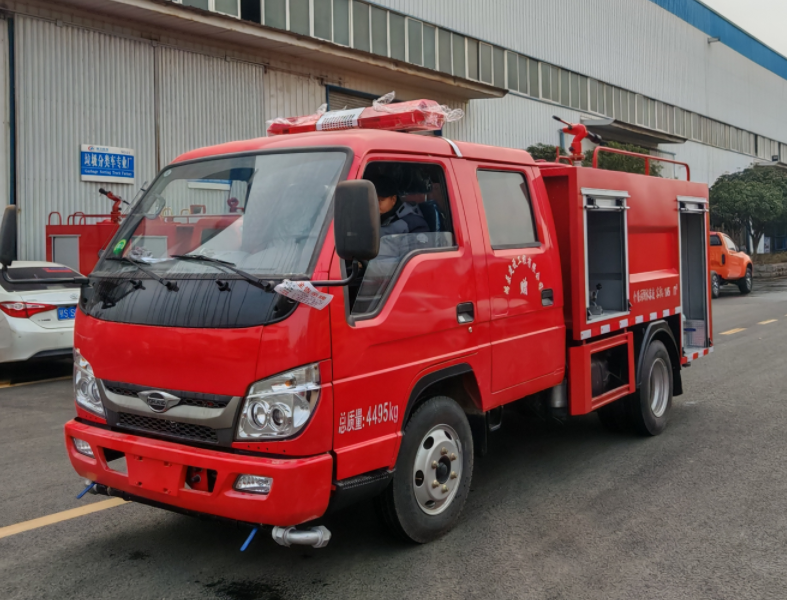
{"x": 736, "y": 265}
{"x": 715, "y": 254}
{"x": 528, "y": 334}
{"x": 413, "y": 315}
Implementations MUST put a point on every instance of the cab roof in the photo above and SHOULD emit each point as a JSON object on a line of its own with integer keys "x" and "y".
{"x": 363, "y": 141}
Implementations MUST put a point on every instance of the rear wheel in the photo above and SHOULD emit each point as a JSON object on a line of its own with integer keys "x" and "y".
{"x": 746, "y": 284}
{"x": 649, "y": 407}
{"x": 433, "y": 473}
{"x": 715, "y": 285}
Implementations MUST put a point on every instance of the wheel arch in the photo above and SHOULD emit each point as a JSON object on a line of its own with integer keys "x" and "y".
{"x": 662, "y": 331}
{"x": 456, "y": 381}
{"x": 459, "y": 383}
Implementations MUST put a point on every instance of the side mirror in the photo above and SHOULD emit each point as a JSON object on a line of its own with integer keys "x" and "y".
{"x": 356, "y": 226}
{"x": 8, "y": 236}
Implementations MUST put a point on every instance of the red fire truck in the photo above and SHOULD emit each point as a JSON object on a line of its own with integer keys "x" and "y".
{"x": 290, "y": 357}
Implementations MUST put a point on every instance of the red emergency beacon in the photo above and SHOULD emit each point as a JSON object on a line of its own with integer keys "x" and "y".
{"x": 414, "y": 115}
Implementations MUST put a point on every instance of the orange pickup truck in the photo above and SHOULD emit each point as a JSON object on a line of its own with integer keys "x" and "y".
{"x": 728, "y": 264}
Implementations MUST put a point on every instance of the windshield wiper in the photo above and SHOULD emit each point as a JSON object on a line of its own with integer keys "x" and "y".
{"x": 256, "y": 281}
{"x": 170, "y": 285}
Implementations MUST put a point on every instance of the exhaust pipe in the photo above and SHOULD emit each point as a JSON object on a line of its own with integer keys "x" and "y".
{"x": 316, "y": 537}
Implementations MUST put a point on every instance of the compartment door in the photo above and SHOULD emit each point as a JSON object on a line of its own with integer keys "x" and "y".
{"x": 606, "y": 254}
{"x": 694, "y": 271}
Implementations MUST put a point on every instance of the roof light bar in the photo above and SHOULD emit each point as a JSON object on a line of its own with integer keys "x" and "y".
{"x": 414, "y": 115}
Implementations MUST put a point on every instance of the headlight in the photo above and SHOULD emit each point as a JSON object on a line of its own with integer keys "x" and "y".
{"x": 280, "y": 406}
{"x": 86, "y": 386}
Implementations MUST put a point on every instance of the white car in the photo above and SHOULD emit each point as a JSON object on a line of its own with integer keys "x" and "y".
{"x": 37, "y": 320}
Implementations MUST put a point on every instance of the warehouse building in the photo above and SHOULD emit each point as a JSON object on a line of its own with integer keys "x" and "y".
{"x": 137, "y": 82}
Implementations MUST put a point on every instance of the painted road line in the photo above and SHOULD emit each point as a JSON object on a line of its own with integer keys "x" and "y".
{"x": 768, "y": 321}
{"x": 731, "y": 331}
{"x": 61, "y": 516}
{"x": 8, "y": 384}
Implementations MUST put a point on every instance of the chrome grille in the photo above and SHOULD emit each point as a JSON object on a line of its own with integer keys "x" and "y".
{"x": 186, "y": 398}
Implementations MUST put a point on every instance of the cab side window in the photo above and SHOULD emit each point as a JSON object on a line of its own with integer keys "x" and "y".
{"x": 509, "y": 212}
{"x": 730, "y": 244}
{"x": 415, "y": 217}
{"x": 715, "y": 241}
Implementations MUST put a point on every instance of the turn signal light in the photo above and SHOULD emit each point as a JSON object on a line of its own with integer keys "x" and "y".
{"x": 24, "y": 310}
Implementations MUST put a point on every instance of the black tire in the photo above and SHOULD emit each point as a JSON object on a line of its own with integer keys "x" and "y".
{"x": 715, "y": 285}
{"x": 746, "y": 284}
{"x": 615, "y": 417}
{"x": 398, "y": 505}
{"x": 650, "y": 406}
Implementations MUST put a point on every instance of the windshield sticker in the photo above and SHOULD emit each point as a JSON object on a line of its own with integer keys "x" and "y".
{"x": 304, "y": 292}
{"x": 119, "y": 247}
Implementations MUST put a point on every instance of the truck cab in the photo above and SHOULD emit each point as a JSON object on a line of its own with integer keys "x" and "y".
{"x": 204, "y": 384}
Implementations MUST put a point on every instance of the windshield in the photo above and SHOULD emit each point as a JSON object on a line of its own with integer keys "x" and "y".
{"x": 263, "y": 213}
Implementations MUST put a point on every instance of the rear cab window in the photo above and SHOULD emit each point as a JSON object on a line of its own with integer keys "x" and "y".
{"x": 715, "y": 241}
{"x": 508, "y": 209}
{"x": 41, "y": 273}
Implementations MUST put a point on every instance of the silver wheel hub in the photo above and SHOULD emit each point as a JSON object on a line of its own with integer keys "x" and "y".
{"x": 437, "y": 469}
{"x": 659, "y": 387}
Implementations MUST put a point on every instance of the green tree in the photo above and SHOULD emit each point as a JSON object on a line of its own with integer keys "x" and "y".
{"x": 610, "y": 162}
{"x": 619, "y": 162}
{"x": 543, "y": 152}
{"x": 755, "y": 197}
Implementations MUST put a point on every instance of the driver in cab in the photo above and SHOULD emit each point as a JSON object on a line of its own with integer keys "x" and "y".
{"x": 396, "y": 216}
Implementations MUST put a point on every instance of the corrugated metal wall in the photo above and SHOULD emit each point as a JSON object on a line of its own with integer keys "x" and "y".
{"x": 519, "y": 122}
{"x": 513, "y": 121}
{"x": 289, "y": 94}
{"x": 205, "y": 100}
{"x": 714, "y": 25}
{"x": 634, "y": 44}
{"x": 708, "y": 163}
{"x": 75, "y": 87}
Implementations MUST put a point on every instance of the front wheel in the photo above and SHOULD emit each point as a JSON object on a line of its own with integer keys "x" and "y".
{"x": 746, "y": 284}
{"x": 650, "y": 405}
{"x": 715, "y": 285}
{"x": 433, "y": 473}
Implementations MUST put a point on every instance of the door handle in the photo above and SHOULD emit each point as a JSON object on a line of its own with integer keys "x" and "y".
{"x": 547, "y": 298}
{"x": 724, "y": 259}
{"x": 465, "y": 313}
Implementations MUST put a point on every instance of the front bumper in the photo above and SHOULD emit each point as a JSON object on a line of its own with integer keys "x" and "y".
{"x": 156, "y": 470}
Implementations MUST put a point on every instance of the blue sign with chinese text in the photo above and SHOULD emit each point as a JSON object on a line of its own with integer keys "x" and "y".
{"x": 107, "y": 164}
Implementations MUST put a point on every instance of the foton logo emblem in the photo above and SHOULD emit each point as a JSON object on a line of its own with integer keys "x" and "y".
{"x": 159, "y": 401}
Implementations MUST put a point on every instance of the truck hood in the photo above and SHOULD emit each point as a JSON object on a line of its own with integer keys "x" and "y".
{"x": 209, "y": 361}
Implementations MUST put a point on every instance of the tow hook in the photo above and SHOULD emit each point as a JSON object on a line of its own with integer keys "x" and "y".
{"x": 316, "y": 537}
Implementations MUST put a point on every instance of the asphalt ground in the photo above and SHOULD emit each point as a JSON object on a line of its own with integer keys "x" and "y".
{"x": 555, "y": 512}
